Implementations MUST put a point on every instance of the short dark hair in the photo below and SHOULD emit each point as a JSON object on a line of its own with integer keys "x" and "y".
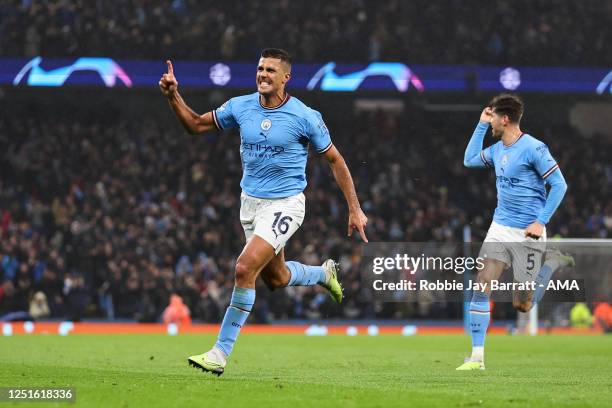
{"x": 508, "y": 104}
{"x": 277, "y": 53}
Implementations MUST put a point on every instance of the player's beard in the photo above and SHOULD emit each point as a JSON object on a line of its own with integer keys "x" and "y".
{"x": 497, "y": 134}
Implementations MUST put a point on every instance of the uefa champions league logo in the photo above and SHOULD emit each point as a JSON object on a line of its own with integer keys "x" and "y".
{"x": 266, "y": 124}
{"x": 35, "y": 75}
{"x": 328, "y": 80}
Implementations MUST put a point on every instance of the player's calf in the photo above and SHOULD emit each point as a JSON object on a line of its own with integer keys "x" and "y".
{"x": 274, "y": 281}
{"x": 554, "y": 260}
{"x": 254, "y": 257}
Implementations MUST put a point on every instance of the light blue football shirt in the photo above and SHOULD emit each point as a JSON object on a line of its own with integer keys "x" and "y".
{"x": 521, "y": 170}
{"x": 273, "y": 143}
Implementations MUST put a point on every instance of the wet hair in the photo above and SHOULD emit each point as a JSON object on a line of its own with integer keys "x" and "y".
{"x": 509, "y": 105}
{"x": 282, "y": 55}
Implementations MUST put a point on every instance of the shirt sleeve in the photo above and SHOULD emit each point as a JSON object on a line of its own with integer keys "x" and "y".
{"x": 224, "y": 117}
{"x": 486, "y": 155}
{"x": 474, "y": 155}
{"x": 317, "y": 133}
{"x": 543, "y": 161}
{"x": 558, "y": 187}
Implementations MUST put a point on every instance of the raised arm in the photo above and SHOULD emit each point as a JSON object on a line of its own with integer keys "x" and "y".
{"x": 357, "y": 219}
{"x": 191, "y": 121}
{"x": 474, "y": 156}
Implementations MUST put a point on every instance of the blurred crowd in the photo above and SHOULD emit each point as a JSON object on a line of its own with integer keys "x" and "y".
{"x": 521, "y": 32}
{"x": 109, "y": 218}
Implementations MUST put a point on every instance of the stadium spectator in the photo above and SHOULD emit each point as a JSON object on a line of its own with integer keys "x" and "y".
{"x": 176, "y": 312}
{"x": 580, "y": 316}
{"x": 421, "y": 31}
{"x": 39, "y": 307}
{"x": 76, "y": 295}
{"x": 602, "y": 316}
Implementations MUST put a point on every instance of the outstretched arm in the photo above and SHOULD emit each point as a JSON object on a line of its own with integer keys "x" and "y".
{"x": 473, "y": 156}
{"x": 357, "y": 219}
{"x": 192, "y": 122}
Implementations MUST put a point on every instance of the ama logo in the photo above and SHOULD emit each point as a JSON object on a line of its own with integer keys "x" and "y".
{"x": 108, "y": 70}
{"x": 400, "y": 74}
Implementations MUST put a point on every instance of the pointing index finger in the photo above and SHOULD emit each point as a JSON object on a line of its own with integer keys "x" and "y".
{"x": 170, "y": 68}
{"x": 362, "y": 233}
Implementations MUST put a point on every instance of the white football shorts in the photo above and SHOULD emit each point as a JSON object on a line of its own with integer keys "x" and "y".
{"x": 510, "y": 246}
{"x": 273, "y": 219}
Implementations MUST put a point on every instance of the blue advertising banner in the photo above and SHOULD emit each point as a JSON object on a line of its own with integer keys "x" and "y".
{"x": 375, "y": 76}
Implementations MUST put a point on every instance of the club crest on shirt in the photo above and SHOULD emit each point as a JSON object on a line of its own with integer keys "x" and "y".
{"x": 266, "y": 124}
{"x": 504, "y": 160}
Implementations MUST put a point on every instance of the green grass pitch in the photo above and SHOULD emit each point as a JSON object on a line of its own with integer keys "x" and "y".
{"x": 294, "y": 371}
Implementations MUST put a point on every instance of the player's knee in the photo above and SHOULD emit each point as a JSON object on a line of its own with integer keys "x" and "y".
{"x": 484, "y": 278}
{"x": 523, "y": 305}
{"x": 244, "y": 274}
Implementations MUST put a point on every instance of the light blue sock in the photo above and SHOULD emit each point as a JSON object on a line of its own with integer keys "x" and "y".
{"x": 480, "y": 315}
{"x": 305, "y": 275}
{"x": 235, "y": 317}
{"x": 542, "y": 281}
